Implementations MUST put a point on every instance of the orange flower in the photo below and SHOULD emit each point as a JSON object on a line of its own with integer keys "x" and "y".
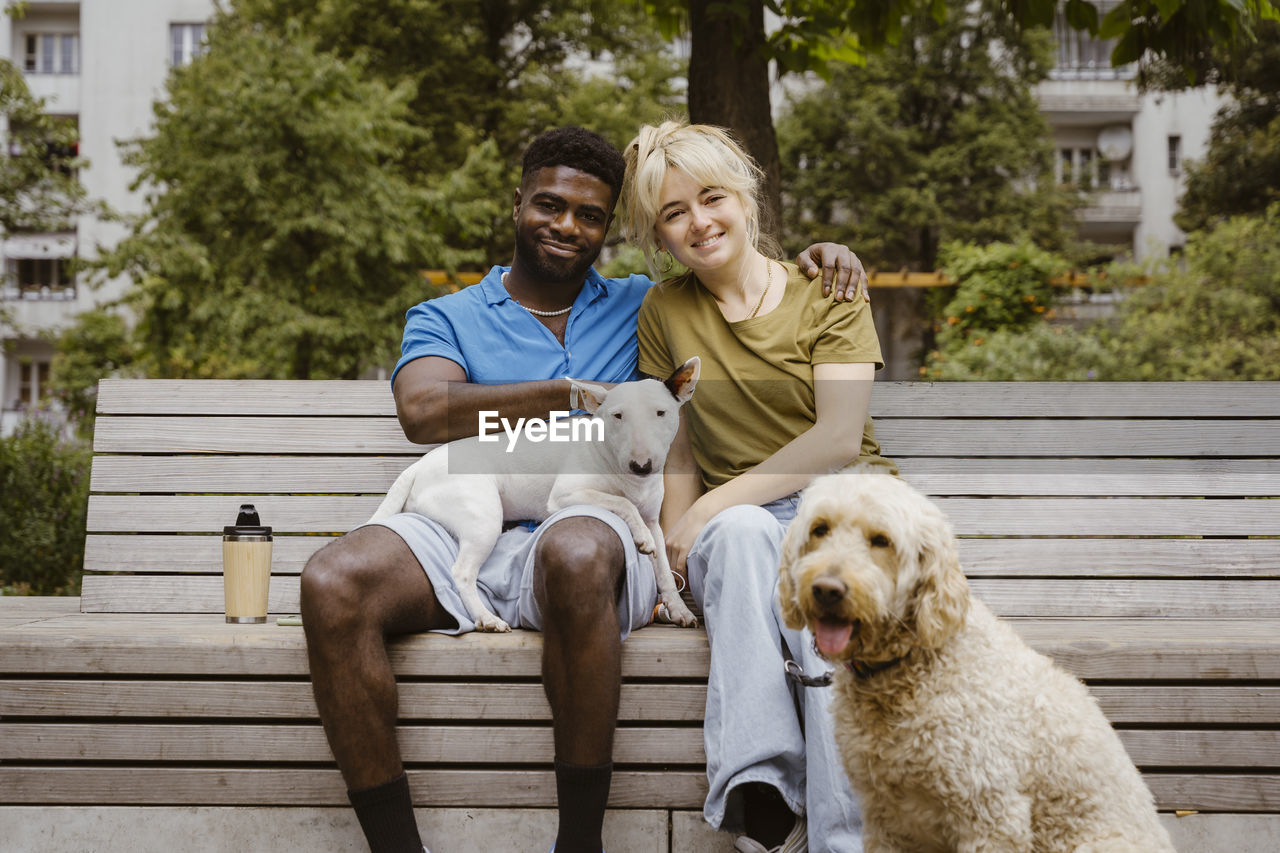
{"x": 951, "y": 321}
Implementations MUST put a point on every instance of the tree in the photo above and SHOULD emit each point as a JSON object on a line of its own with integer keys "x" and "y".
{"x": 812, "y": 35}
{"x": 39, "y": 190}
{"x": 937, "y": 138}
{"x": 1241, "y": 169}
{"x": 283, "y": 236}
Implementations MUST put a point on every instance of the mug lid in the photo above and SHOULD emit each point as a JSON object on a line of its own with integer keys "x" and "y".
{"x": 247, "y": 524}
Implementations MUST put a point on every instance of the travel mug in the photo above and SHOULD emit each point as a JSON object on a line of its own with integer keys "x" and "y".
{"x": 246, "y": 567}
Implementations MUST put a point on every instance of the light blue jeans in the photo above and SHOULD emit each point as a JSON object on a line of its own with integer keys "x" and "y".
{"x": 760, "y": 726}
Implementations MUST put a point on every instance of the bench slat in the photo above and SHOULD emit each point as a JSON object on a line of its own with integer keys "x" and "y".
{"x": 533, "y": 788}
{"x": 900, "y": 399}
{"x": 125, "y": 644}
{"x": 1215, "y": 793}
{"x": 81, "y": 742}
{"x": 445, "y": 700}
{"x": 245, "y": 396}
{"x": 152, "y": 644}
{"x": 374, "y": 475}
{"x": 899, "y": 437}
{"x": 255, "y": 744}
{"x": 969, "y": 516}
{"x": 684, "y": 789}
{"x": 1158, "y": 558}
{"x": 1184, "y": 599}
{"x": 1075, "y": 399}
{"x": 222, "y": 700}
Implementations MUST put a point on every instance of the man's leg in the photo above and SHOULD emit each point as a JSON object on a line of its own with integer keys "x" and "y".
{"x": 579, "y": 570}
{"x": 355, "y": 593}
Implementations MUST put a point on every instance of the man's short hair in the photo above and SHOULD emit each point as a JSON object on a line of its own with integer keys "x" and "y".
{"x": 577, "y": 148}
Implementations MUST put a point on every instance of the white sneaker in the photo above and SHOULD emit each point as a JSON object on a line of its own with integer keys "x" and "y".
{"x": 797, "y": 841}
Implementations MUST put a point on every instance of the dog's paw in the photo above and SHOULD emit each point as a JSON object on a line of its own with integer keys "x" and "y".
{"x": 678, "y": 613}
{"x": 489, "y": 623}
{"x": 645, "y": 544}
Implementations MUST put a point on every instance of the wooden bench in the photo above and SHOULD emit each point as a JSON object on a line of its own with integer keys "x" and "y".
{"x": 1130, "y": 531}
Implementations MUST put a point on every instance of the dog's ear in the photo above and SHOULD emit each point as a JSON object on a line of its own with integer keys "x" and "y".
{"x": 797, "y": 532}
{"x": 682, "y": 381}
{"x": 590, "y": 396}
{"x": 942, "y": 596}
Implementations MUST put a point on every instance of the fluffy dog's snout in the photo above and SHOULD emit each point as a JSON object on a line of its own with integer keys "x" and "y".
{"x": 641, "y": 468}
{"x": 828, "y": 592}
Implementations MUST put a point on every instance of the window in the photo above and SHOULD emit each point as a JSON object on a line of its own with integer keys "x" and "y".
{"x": 33, "y": 383}
{"x": 36, "y": 276}
{"x": 185, "y": 42}
{"x": 1082, "y": 167}
{"x": 52, "y": 53}
{"x": 1175, "y": 154}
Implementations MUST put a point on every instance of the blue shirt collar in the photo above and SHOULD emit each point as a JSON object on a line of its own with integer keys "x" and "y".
{"x": 596, "y": 285}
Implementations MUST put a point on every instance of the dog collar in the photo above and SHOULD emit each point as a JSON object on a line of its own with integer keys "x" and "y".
{"x": 861, "y": 669}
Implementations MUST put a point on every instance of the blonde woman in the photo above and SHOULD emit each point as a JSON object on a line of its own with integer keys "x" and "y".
{"x": 786, "y": 381}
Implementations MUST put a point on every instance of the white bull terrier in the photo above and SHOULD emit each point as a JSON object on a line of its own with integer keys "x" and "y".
{"x": 471, "y": 487}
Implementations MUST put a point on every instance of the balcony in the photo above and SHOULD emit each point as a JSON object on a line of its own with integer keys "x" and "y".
{"x": 1113, "y": 207}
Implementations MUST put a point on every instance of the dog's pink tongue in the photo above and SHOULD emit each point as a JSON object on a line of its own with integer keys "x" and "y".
{"x": 832, "y": 637}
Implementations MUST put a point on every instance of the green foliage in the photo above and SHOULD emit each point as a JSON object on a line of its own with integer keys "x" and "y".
{"x": 1216, "y": 316}
{"x": 939, "y": 138}
{"x": 1000, "y": 286}
{"x": 39, "y": 190}
{"x": 1240, "y": 172}
{"x": 44, "y": 494}
{"x": 97, "y": 345}
{"x": 283, "y": 236}
{"x": 1041, "y": 352}
{"x": 1219, "y": 318}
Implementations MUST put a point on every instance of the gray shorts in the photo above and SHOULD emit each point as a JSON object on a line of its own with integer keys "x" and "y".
{"x": 506, "y": 578}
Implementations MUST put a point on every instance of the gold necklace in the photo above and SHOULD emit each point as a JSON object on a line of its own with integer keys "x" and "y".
{"x": 768, "y": 282}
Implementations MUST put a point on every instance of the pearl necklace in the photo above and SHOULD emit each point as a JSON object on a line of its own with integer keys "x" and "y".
{"x": 535, "y": 310}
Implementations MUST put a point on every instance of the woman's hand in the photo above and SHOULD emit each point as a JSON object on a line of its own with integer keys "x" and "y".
{"x": 682, "y": 535}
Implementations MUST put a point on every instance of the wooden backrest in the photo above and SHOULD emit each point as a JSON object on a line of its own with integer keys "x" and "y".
{"x": 1071, "y": 499}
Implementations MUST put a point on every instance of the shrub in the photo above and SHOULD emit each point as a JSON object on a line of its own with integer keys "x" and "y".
{"x": 1041, "y": 353}
{"x": 999, "y": 286}
{"x": 44, "y": 494}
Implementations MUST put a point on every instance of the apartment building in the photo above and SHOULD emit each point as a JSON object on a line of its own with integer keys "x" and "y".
{"x": 1124, "y": 147}
{"x": 100, "y": 64}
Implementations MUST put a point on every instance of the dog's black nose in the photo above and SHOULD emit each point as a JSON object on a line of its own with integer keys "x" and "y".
{"x": 646, "y": 468}
{"x": 828, "y": 592}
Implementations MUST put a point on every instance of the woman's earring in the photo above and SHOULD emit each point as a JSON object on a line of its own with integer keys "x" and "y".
{"x": 666, "y": 261}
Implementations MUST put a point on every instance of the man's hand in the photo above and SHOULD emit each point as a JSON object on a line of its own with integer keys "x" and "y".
{"x": 841, "y": 270}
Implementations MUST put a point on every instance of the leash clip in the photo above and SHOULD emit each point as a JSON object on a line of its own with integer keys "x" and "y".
{"x": 796, "y": 673}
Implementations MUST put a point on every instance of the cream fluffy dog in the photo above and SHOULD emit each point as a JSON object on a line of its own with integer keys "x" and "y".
{"x": 958, "y": 736}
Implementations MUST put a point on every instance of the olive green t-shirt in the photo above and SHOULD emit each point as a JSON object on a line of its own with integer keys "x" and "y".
{"x": 756, "y": 390}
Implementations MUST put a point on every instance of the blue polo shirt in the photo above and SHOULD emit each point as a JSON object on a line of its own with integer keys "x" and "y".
{"x": 492, "y": 338}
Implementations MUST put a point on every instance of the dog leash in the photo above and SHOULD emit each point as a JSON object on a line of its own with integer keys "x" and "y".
{"x": 797, "y": 674}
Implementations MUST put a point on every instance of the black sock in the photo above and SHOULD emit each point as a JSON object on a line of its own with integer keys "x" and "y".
{"x": 769, "y": 819}
{"x": 385, "y": 813}
{"x": 582, "y": 794}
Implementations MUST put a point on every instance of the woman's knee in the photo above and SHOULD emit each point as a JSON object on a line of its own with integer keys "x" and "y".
{"x": 739, "y": 539}
{"x": 579, "y": 559}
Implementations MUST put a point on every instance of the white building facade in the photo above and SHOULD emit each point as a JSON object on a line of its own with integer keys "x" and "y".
{"x": 100, "y": 64}
{"x": 1125, "y": 147}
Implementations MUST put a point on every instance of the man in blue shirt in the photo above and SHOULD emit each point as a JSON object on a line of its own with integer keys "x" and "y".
{"x": 506, "y": 344}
